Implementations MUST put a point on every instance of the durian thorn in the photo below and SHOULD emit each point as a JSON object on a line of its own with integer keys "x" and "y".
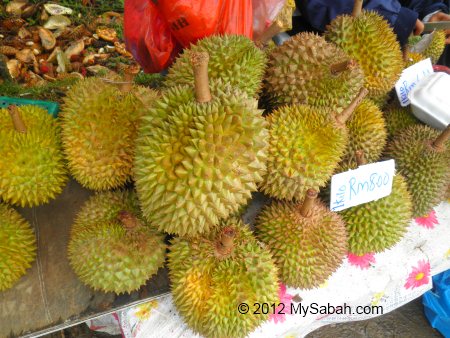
{"x": 17, "y": 120}
{"x": 199, "y": 61}
{"x": 305, "y": 209}
{"x": 128, "y": 220}
{"x": 438, "y": 144}
{"x": 340, "y": 67}
{"x": 347, "y": 112}
{"x": 357, "y": 8}
{"x": 225, "y": 242}
{"x": 269, "y": 33}
{"x": 360, "y": 158}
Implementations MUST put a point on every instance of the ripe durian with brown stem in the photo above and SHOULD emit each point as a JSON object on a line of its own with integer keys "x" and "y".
{"x": 112, "y": 248}
{"x": 366, "y": 37}
{"x": 17, "y": 246}
{"x": 422, "y": 156}
{"x": 305, "y": 147}
{"x": 211, "y": 276}
{"x": 306, "y": 69}
{"x": 398, "y": 118}
{"x": 32, "y": 170}
{"x": 200, "y": 154}
{"x": 99, "y": 128}
{"x": 232, "y": 58}
{"x": 307, "y": 240}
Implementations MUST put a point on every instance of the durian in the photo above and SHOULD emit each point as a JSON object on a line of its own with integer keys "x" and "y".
{"x": 17, "y": 246}
{"x": 306, "y": 69}
{"x": 99, "y": 128}
{"x": 398, "y": 118}
{"x": 305, "y": 147}
{"x": 422, "y": 156}
{"x": 413, "y": 58}
{"x": 111, "y": 247}
{"x": 233, "y": 58}
{"x": 200, "y": 154}
{"x": 367, "y": 132}
{"x": 32, "y": 170}
{"x": 307, "y": 240}
{"x": 211, "y": 276}
{"x": 435, "y": 47}
{"x": 368, "y": 38}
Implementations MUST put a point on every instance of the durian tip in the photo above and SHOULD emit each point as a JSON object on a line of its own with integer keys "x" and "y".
{"x": 438, "y": 144}
{"x": 305, "y": 209}
{"x": 347, "y": 112}
{"x": 360, "y": 158}
{"x": 225, "y": 241}
{"x": 357, "y": 8}
{"x": 17, "y": 120}
{"x": 199, "y": 61}
{"x": 342, "y": 66}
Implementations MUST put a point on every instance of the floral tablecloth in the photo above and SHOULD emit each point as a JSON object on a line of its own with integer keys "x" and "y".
{"x": 378, "y": 282}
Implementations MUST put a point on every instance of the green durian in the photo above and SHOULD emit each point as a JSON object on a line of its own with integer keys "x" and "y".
{"x": 233, "y": 58}
{"x": 422, "y": 156}
{"x": 398, "y": 118}
{"x": 198, "y": 162}
{"x": 32, "y": 170}
{"x": 111, "y": 247}
{"x": 307, "y": 240}
{"x": 368, "y": 38}
{"x": 367, "y": 132}
{"x": 306, "y": 69}
{"x": 210, "y": 276}
{"x": 378, "y": 225}
{"x": 17, "y": 246}
{"x": 99, "y": 128}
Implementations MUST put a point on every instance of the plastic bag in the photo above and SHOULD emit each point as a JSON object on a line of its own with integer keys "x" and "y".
{"x": 191, "y": 20}
{"x": 264, "y": 13}
{"x": 148, "y": 36}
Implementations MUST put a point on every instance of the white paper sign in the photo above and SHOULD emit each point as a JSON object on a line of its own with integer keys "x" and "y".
{"x": 410, "y": 78}
{"x": 367, "y": 183}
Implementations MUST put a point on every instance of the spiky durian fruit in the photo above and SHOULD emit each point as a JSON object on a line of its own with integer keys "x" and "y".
{"x": 379, "y": 225}
{"x": 233, "y": 58}
{"x": 367, "y": 132}
{"x": 412, "y": 58}
{"x": 398, "y": 118}
{"x": 111, "y": 247}
{"x": 17, "y": 246}
{"x": 308, "y": 70}
{"x": 436, "y": 46}
{"x": 210, "y": 276}
{"x": 368, "y": 38}
{"x": 198, "y": 162}
{"x": 307, "y": 240}
{"x": 32, "y": 170}
{"x": 99, "y": 128}
{"x": 422, "y": 156}
{"x": 305, "y": 147}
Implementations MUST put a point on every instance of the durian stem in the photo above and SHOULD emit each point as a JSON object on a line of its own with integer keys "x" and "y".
{"x": 347, "y": 112}
{"x": 269, "y": 33}
{"x": 129, "y": 221}
{"x": 225, "y": 243}
{"x": 340, "y": 67}
{"x": 199, "y": 61}
{"x": 17, "y": 120}
{"x": 438, "y": 144}
{"x": 360, "y": 158}
{"x": 357, "y": 8}
{"x": 305, "y": 209}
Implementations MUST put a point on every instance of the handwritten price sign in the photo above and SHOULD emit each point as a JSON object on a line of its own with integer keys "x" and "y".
{"x": 409, "y": 79}
{"x": 367, "y": 183}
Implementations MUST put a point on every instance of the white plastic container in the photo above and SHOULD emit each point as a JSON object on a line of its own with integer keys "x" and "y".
{"x": 430, "y": 100}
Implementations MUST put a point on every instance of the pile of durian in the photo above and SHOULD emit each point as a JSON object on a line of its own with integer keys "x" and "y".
{"x": 196, "y": 151}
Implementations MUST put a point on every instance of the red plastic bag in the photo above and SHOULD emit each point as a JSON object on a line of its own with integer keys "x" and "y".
{"x": 191, "y": 20}
{"x": 148, "y": 37}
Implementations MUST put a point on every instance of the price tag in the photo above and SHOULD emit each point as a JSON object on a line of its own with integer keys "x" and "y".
{"x": 409, "y": 79}
{"x": 367, "y": 183}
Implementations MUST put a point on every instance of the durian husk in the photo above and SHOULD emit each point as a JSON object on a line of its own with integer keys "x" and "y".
{"x": 108, "y": 256}
{"x": 413, "y": 58}
{"x": 17, "y": 247}
{"x": 398, "y": 118}
{"x": 32, "y": 166}
{"x": 208, "y": 284}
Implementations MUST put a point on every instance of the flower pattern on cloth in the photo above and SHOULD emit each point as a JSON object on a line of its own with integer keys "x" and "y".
{"x": 428, "y": 221}
{"x": 284, "y": 306}
{"x": 143, "y": 311}
{"x": 362, "y": 261}
{"x": 419, "y": 275}
{"x": 376, "y": 298}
